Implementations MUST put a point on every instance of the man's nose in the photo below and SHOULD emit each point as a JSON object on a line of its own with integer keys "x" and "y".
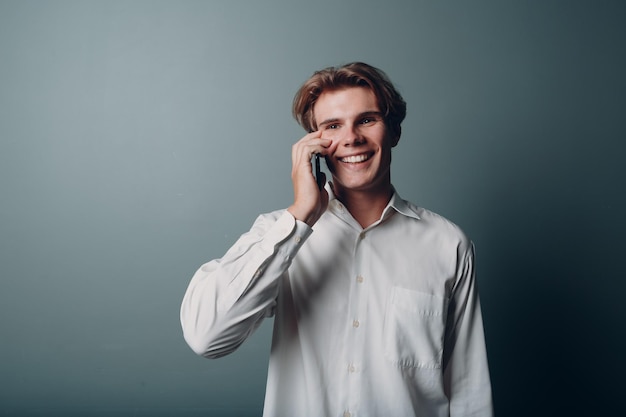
{"x": 352, "y": 136}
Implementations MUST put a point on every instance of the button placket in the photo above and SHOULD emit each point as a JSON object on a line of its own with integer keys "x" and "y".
{"x": 356, "y": 333}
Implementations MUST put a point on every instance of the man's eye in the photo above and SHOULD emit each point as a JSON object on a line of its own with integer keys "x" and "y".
{"x": 332, "y": 126}
{"x": 367, "y": 120}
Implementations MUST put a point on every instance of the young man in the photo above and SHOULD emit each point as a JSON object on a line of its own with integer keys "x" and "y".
{"x": 375, "y": 306}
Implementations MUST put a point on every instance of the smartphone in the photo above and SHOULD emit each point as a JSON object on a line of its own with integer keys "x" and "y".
{"x": 318, "y": 172}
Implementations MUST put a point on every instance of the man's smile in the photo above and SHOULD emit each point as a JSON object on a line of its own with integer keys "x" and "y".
{"x": 355, "y": 159}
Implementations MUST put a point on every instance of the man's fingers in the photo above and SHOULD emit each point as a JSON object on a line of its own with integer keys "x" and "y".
{"x": 310, "y": 145}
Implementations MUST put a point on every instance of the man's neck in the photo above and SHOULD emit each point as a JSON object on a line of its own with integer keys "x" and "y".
{"x": 365, "y": 206}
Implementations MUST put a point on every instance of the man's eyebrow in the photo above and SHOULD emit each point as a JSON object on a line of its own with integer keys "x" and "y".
{"x": 359, "y": 116}
{"x": 328, "y": 121}
{"x": 370, "y": 113}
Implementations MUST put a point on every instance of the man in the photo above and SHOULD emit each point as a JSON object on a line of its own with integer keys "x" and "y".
{"x": 375, "y": 306}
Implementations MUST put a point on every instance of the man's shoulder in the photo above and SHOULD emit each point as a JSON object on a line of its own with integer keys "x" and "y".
{"x": 436, "y": 223}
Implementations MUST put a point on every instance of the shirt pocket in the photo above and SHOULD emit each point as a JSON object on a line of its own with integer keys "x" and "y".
{"x": 414, "y": 329}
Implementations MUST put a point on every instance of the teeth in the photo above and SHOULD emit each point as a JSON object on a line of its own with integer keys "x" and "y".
{"x": 354, "y": 159}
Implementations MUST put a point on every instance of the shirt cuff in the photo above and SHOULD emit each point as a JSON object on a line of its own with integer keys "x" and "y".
{"x": 287, "y": 230}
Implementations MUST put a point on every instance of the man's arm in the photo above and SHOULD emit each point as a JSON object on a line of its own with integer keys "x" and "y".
{"x": 228, "y": 298}
{"x": 466, "y": 372}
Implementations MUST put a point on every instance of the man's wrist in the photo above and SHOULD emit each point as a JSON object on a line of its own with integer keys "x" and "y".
{"x": 302, "y": 216}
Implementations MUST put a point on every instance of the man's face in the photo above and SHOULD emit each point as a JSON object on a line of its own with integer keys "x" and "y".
{"x": 359, "y": 157}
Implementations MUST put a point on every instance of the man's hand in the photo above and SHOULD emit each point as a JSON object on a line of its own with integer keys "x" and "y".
{"x": 309, "y": 201}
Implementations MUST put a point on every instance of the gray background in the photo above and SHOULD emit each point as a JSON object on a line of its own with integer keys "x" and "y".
{"x": 138, "y": 139}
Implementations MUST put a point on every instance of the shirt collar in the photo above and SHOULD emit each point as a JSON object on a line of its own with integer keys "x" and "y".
{"x": 395, "y": 203}
{"x": 401, "y": 206}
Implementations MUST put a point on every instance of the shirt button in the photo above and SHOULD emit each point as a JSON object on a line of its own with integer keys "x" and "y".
{"x": 359, "y": 279}
{"x": 346, "y": 414}
{"x": 298, "y": 239}
{"x": 351, "y": 368}
{"x": 355, "y": 323}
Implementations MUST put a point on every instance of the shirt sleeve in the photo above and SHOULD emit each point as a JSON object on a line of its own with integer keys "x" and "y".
{"x": 227, "y": 298}
{"x": 466, "y": 371}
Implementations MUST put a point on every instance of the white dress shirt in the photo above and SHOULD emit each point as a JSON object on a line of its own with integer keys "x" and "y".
{"x": 383, "y": 321}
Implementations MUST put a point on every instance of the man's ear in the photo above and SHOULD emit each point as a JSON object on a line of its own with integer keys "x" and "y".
{"x": 396, "y": 137}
